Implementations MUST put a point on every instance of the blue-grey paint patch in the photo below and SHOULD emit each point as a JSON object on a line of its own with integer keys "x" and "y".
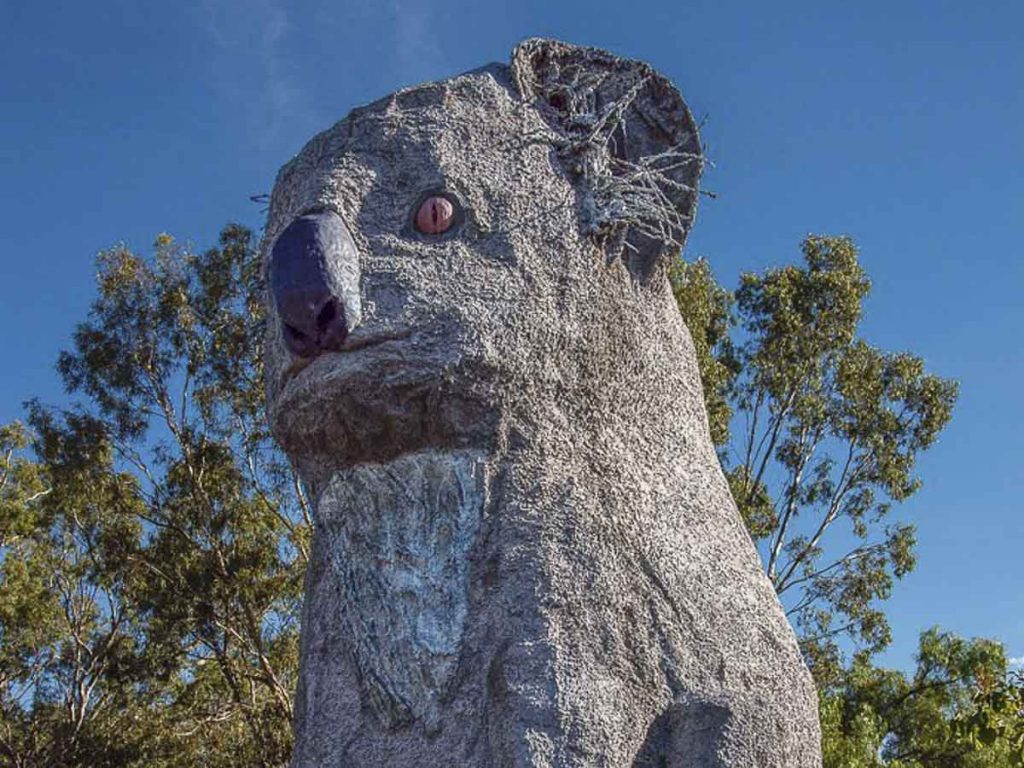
{"x": 400, "y": 536}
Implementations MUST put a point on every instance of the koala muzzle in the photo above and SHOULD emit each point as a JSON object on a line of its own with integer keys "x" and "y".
{"x": 314, "y": 281}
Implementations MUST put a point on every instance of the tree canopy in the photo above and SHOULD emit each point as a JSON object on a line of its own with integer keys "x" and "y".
{"x": 154, "y": 547}
{"x": 153, "y": 540}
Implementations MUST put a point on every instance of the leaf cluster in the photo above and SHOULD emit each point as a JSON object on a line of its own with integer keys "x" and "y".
{"x": 940, "y": 715}
{"x": 153, "y": 537}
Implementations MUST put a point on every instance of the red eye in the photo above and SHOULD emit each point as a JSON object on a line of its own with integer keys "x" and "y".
{"x": 435, "y": 215}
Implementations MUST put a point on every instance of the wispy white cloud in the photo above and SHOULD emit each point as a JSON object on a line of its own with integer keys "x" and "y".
{"x": 1017, "y": 661}
{"x": 251, "y": 36}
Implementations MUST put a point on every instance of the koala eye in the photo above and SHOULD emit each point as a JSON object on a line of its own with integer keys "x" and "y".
{"x": 436, "y": 214}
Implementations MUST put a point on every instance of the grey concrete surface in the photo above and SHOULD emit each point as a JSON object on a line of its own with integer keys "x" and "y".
{"x": 525, "y": 551}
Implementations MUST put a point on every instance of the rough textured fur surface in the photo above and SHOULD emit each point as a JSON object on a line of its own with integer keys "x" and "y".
{"x": 525, "y": 550}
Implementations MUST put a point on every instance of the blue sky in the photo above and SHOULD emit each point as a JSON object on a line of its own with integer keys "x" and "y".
{"x": 897, "y": 123}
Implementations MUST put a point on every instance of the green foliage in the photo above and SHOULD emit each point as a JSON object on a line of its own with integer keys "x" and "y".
{"x": 937, "y": 716}
{"x": 828, "y": 429}
{"x": 153, "y": 549}
{"x": 995, "y": 721}
{"x": 707, "y": 310}
{"x": 70, "y": 660}
{"x": 852, "y": 733}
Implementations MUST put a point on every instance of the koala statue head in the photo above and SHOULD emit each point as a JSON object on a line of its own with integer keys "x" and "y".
{"x": 462, "y": 260}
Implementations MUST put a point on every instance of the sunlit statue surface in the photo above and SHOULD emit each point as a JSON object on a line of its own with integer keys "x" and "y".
{"x": 525, "y": 550}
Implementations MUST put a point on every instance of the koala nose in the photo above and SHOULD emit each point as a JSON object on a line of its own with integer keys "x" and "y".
{"x": 314, "y": 280}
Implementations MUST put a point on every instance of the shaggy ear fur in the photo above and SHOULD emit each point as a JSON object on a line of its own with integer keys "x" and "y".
{"x": 628, "y": 140}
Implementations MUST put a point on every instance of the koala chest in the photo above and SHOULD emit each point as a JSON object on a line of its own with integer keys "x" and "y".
{"x": 400, "y": 536}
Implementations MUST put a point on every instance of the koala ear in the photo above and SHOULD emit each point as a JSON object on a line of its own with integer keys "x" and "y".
{"x": 626, "y": 138}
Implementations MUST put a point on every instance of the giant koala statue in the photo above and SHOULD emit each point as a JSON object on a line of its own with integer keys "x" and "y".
{"x": 525, "y": 551}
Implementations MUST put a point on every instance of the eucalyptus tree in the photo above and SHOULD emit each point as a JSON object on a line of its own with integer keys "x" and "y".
{"x": 959, "y": 708}
{"x": 166, "y": 537}
{"x": 818, "y": 431}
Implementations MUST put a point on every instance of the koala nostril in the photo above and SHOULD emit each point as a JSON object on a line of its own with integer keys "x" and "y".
{"x": 298, "y": 342}
{"x": 327, "y": 315}
{"x": 332, "y": 326}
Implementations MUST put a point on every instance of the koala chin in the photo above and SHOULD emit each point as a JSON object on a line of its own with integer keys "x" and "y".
{"x": 525, "y": 551}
